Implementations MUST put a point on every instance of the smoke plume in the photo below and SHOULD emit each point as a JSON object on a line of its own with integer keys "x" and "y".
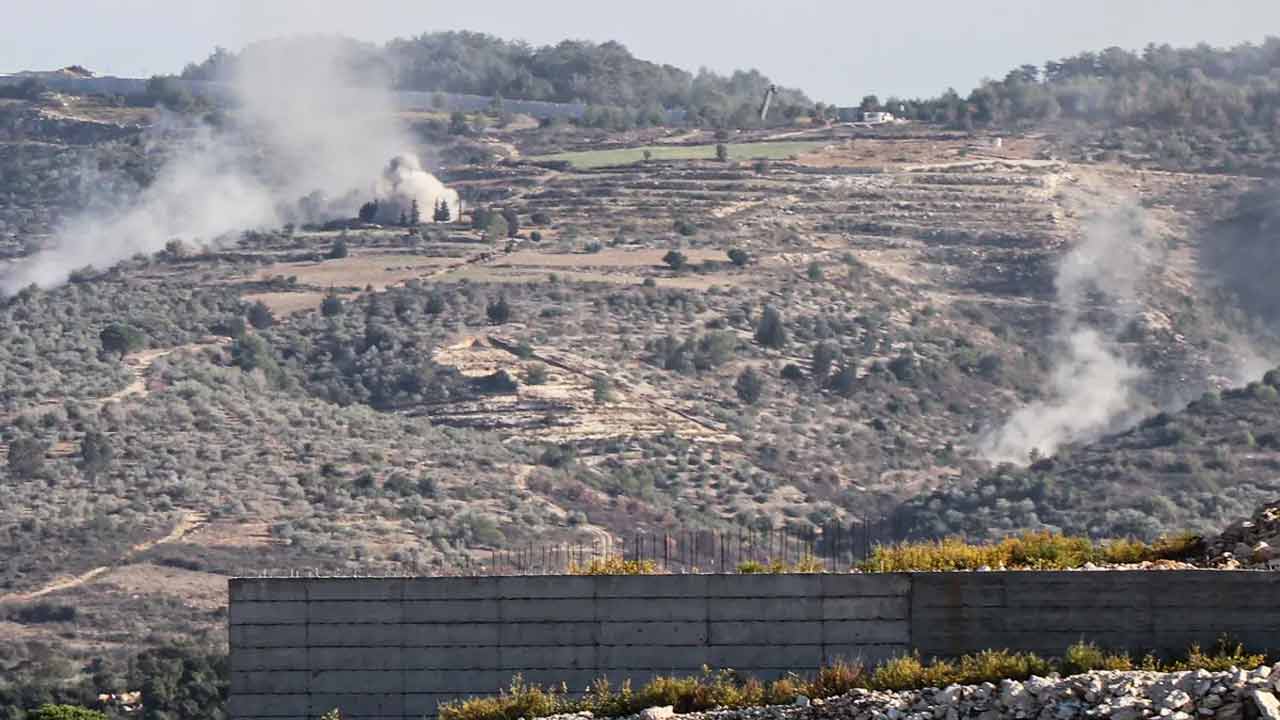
{"x": 1093, "y": 384}
{"x": 308, "y": 125}
{"x": 403, "y": 183}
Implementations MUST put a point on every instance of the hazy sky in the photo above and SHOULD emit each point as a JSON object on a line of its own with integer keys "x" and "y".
{"x": 836, "y": 50}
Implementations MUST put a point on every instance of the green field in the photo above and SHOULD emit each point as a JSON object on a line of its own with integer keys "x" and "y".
{"x": 747, "y": 151}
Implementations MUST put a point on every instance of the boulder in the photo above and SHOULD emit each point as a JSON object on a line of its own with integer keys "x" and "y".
{"x": 664, "y": 712}
{"x": 1266, "y": 704}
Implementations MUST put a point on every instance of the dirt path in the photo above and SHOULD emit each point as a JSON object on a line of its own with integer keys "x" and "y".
{"x": 189, "y": 522}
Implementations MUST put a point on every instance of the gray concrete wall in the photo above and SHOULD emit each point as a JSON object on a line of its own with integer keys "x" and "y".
{"x": 395, "y": 648}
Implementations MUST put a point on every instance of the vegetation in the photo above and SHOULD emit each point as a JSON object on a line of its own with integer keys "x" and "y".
{"x": 622, "y": 90}
{"x": 1029, "y": 551}
{"x": 727, "y": 689}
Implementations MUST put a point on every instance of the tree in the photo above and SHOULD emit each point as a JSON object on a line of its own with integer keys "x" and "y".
{"x": 602, "y": 389}
{"x": 95, "y": 453}
{"x": 814, "y": 272}
{"x": 442, "y": 212}
{"x": 739, "y": 257}
{"x": 513, "y": 221}
{"x": 722, "y": 152}
{"x": 685, "y": 227}
{"x": 771, "y": 331}
{"x": 121, "y": 339}
{"x": 415, "y": 214}
{"x": 252, "y": 352}
{"x": 368, "y": 211}
{"x": 458, "y": 124}
{"x": 435, "y": 304}
{"x": 903, "y": 367}
{"x": 844, "y": 381}
{"x": 438, "y": 101}
{"x": 540, "y": 218}
{"x": 331, "y": 306}
{"x": 648, "y": 155}
{"x": 824, "y": 355}
{"x": 498, "y": 311}
{"x": 65, "y": 712}
{"x": 260, "y": 316}
{"x": 338, "y": 250}
{"x": 26, "y": 456}
{"x": 749, "y": 386}
{"x": 404, "y": 219}
{"x": 494, "y": 225}
{"x": 675, "y": 259}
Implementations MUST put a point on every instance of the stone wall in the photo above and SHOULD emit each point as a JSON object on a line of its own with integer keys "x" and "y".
{"x": 395, "y": 648}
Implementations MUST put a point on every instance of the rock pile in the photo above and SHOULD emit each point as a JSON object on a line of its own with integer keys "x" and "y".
{"x": 1252, "y": 543}
{"x": 1198, "y": 695}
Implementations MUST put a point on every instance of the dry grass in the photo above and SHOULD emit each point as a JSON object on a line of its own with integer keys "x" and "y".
{"x": 1029, "y": 551}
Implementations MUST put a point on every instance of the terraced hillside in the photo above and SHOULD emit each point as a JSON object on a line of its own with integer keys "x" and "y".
{"x": 682, "y": 344}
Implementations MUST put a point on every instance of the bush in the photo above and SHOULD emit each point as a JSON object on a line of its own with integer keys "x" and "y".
{"x": 260, "y": 316}
{"x": 602, "y": 389}
{"x": 615, "y": 566}
{"x": 1032, "y": 550}
{"x": 685, "y": 227}
{"x": 771, "y": 331}
{"x": 26, "y": 457}
{"x": 498, "y": 311}
{"x": 726, "y": 689}
{"x": 65, "y": 712}
{"x": 749, "y": 386}
{"x": 675, "y": 259}
{"x": 331, "y": 306}
{"x": 338, "y": 250}
{"x": 722, "y": 152}
{"x": 121, "y": 339}
{"x": 536, "y": 374}
{"x": 739, "y": 257}
{"x": 1084, "y": 657}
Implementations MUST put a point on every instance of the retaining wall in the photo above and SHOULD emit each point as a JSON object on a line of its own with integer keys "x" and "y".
{"x": 396, "y": 648}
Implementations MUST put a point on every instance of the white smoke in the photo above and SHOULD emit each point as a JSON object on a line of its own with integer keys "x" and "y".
{"x": 403, "y": 183}
{"x": 1093, "y": 385}
{"x": 300, "y": 128}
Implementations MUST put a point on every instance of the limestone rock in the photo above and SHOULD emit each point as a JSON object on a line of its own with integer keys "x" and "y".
{"x": 665, "y": 712}
{"x": 1267, "y": 705}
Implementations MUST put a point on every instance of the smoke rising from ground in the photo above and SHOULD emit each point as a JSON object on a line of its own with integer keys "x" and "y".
{"x": 405, "y": 182}
{"x": 1093, "y": 384}
{"x": 299, "y": 129}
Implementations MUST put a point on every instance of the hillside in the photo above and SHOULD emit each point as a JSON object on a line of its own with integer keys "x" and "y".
{"x": 625, "y": 334}
{"x": 605, "y": 74}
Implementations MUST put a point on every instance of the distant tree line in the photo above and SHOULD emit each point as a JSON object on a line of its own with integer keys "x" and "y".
{"x": 619, "y": 88}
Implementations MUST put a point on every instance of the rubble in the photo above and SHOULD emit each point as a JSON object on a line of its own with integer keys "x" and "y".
{"x": 1249, "y": 543}
{"x": 1200, "y": 694}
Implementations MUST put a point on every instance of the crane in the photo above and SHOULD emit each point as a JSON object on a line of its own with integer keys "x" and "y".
{"x": 768, "y": 100}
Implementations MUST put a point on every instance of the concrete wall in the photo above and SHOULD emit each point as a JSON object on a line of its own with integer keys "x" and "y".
{"x": 395, "y": 648}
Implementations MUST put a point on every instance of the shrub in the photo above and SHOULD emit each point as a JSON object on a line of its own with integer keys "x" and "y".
{"x": 722, "y": 152}
{"x": 602, "y": 389}
{"x": 685, "y": 227}
{"x": 65, "y": 712}
{"x": 615, "y": 566}
{"x": 1083, "y": 657}
{"x": 498, "y": 311}
{"x": 749, "y": 386}
{"x": 121, "y": 339}
{"x": 331, "y": 306}
{"x": 540, "y": 218}
{"x": 675, "y": 259}
{"x": 792, "y": 372}
{"x": 338, "y": 250}
{"x": 519, "y": 700}
{"x": 26, "y": 456}
{"x": 536, "y": 374}
{"x": 771, "y": 331}
{"x": 1225, "y": 656}
{"x": 1031, "y": 550}
{"x": 739, "y": 257}
{"x": 260, "y": 316}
